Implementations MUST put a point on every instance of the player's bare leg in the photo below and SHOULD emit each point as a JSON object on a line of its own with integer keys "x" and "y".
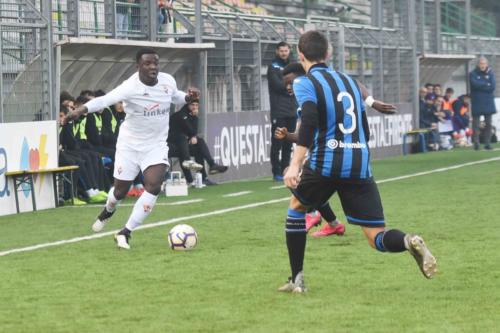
{"x": 396, "y": 241}
{"x": 153, "y": 177}
{"x": 115, "y": 195}
{"x": 296, "y": 243}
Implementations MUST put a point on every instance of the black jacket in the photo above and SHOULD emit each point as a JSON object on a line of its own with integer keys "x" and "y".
{"x": 183, "y": 125}
{"x": 282, "y": 104}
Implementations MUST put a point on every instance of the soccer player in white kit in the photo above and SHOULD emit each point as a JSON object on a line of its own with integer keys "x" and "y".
{"x": 142, "y": 140}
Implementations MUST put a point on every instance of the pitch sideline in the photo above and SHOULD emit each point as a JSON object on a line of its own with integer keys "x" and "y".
{"x": 227, "y": 210}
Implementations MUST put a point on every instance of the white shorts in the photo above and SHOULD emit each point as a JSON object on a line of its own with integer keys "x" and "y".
{"x": 128, "y": 163}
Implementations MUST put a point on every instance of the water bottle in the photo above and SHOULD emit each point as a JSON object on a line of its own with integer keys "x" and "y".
{"x": 198, "y": 180}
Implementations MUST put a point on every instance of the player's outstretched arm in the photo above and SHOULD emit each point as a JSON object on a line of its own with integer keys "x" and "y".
{"x": 281, "y": 133}
{"x": 380, "y": 106}
{"x": 74, "y": 114}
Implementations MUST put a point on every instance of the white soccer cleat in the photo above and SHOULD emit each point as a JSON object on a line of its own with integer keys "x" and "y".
{"x": 122, "y": 241}
{"x": 423, "y": 256}
{"x": 101, "y": 220}
{"x": 192, "y": 165}
{"x": 98, "y": 225}
{"x": 294, "y": 287}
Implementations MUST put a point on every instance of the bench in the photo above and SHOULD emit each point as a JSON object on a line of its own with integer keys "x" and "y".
{"x": 26, "y": 177}
{"x": 420, "y": 132}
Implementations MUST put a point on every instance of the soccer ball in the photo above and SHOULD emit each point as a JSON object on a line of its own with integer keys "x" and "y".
{"x": 182, "y": 237}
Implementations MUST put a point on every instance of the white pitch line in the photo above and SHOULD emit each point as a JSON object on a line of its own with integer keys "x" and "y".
{"x": 423, "y": 173}
{"x": 227, "y": 210}
{"x": 175, "y": 203}
{"x": 277, "y": 187}
{"x": 144, "y": 226}
{"x": 236, "y": 194}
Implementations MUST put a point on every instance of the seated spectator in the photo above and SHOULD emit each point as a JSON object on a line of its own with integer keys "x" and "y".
{"x": 85, "y": 175}
{"x": 437, "y": 90}
{"x": 461, "y": 119}
{"x": 430, "y": 91}
{"x": 445, "y": 124}
{"x": 448, "y": 99}
{"x": 183, "y": 137}
{"x": 428, "y": 119}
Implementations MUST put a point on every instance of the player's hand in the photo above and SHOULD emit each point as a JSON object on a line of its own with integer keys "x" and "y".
{"x": 280, "y": 133}
{"x": 193, "y": 140}
{"x": 384, "y": 107}
{"x": 73, "y": 115}
{"x": 192, "y": 94}
{"x": 292, "y": 176}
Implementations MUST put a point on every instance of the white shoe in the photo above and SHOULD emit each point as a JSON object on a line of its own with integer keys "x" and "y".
{"x": 294, "y": 287}
{"x": 101, "y": 220}
{"x": 192, "y": 165}
{"x": 419, "y": 250}
{"x": 122, "y": 241}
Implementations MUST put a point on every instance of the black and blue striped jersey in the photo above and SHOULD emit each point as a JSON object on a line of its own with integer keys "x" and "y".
{"x": 340, "y": 147}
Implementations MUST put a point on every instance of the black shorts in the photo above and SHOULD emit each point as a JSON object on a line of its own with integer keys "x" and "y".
{"x": 360, "y": 199}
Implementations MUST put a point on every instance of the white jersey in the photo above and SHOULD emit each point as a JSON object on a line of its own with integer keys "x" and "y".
{"x": 147, "y": 109}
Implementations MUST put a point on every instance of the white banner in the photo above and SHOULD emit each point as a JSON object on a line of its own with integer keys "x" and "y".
{"x": 27, "y": 146}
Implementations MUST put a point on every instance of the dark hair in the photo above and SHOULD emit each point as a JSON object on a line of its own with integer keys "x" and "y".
{"x": 65, "y": 96}
{"x": 81, "y": 99}
{"x": 282, "y": 44}
{"x": 428, "y": 84}
{"x": 99, "y": 93}
{"x": 87, "y": 92}
{"x": 295, "y": 68}
{"x": 437, "y": 85}
{"x": 143, "y": 51}
{"x": 449, "y": 90}
{"x": 63, "y": 109}
{"x": 314, "y": 45}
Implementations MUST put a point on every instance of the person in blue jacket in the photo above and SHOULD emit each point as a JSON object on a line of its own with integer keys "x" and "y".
{"x": 482, "y": 87}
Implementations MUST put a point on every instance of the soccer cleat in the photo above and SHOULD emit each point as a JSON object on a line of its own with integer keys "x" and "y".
{"x": 217, "y": 168}
{"x": 76, "y": 202}
{"x": 425, "y": 260}
{"x": 278, "y": 178}
{"x": 95, "y": 199}
{"x": 192, "y": 165}
{"x": 294, "y": 287}
{"x": 101, "y": 220}
{"x": 328, "y": 230}
{"x": 122, "y": 241}
{"x": 312, "y": 219}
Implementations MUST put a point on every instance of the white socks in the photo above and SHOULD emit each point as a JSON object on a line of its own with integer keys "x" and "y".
{"x": 111, "y": 203}
{"x": 141, "y": 210}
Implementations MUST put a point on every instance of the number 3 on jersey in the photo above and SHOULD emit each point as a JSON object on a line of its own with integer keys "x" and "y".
{"x": 349, "y": 111}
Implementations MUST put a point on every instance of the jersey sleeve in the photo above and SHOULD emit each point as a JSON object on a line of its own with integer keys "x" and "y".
{"x": 179, "y": 97}
{"x": 120, "y": 93}
{"x": 304, "y": 91}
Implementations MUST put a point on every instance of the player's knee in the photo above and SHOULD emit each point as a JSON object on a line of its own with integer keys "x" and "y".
{"x": 119, "y": 195}
{"x": 154, "y": 189}
{"x": 295, "y": 204}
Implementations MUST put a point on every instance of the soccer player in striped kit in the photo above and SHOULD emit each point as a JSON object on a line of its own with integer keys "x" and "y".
{"x": 334, "y": 130}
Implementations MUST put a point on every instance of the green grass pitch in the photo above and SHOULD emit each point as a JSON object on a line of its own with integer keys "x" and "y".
{"x": 228, "y": 283}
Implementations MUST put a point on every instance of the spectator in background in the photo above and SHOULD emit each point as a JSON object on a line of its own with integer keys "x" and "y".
{"x": 122, "y": 12}
{"x": 84, "y": 176}
{"x": 437, "y": 90}
{"x": 448, "y": 99}
{"x": 482, "y": 86}
{"x": 183, "y": 138}
{"x": 445, "y": 125}
{"x": 461, "y": 119}
{"x": 427, "y": 118}
{"x": 430, "y": 91}
{"x": 283, "y": 110}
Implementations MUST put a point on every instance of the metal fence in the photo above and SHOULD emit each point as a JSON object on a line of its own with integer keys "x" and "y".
{"x": 382, "y": 58}
{"x": 25, "y": 68}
